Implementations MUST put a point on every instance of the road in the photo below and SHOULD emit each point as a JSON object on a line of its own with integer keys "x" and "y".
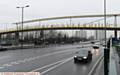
{"x": 48, "y": 61}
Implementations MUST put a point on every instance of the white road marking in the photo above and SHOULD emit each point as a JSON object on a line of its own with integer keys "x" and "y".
{"x": 56, "y": 66}
{"x": 14, "y": 63}
{"x": 7, "y": 65}
{"x": 31, "y": 73}
{"x": 94, "y": 66}
{"x": 49, "y": 65}
{"x": 31, "y": 59}
{"x": 20, "y": 73}
{"x": 3, "y": 57}
{"x": 1, "y": 67}
{"x": 97, "y": 72}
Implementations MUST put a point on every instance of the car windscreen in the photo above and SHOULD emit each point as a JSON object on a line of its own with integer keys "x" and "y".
{"x": 82, "y": 53}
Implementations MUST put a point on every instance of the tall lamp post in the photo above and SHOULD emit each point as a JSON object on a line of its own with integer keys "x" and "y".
{"x": 105, "y": 21}
{"x": 22, "y": 19}
{"x": 106, "y": 50}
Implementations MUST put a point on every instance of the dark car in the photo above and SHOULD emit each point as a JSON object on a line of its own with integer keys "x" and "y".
{"x": 95, "y": 47}
{"x": 2, "y": 48}
{"x": 92, "y": 42}
{"x": 83, "y": 56}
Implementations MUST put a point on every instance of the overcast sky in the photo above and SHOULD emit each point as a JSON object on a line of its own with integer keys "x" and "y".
{"x": 50, "y": 8}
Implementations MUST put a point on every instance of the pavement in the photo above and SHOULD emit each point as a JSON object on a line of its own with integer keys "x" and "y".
{"x": 100, "y": 69}
{"x": 114, "y": 66}
{"x": 48, "y": 61}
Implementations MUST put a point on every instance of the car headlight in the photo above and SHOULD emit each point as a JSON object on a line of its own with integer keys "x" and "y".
{"x": 85, "y": 57}
{"x": 75, "y": 56}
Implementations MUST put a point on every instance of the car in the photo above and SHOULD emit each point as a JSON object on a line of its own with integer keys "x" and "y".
{"x": 83, "y": 56}
{"x": 2, "y": 48}
{"x": 95, "y": 47}
{"x": 92, "y": 42}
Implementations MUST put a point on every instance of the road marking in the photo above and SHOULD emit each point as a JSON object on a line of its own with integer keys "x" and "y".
{"x": 7, "y": 65}
{"x": 31, "y": 59}
{"x": 1, "y": 67}
{"x": 94, "y": 66}
{"x": 12, "y": 63}
{"x": 20, "y": 73}
{"x": 56, "y": 66}
{"x": 97, "y": 72}
{"x": 3, "y": 57}
{"x": 49, "y": 65}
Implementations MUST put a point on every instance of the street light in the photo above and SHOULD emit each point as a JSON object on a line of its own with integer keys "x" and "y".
{"x": 105, "y": 21}
{"x": 22, "y": 19}
{"x": 106, "y": 50}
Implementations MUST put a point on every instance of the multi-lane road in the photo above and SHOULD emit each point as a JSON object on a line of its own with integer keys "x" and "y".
{"x": 57, "y": 60}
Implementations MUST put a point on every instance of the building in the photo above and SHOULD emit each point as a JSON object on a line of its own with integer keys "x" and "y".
{"x": 81, "y": 34}
{"x": 100, "y": 34}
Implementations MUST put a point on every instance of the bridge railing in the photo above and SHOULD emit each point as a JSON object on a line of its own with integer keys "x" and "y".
{"x": 60, "y": 26}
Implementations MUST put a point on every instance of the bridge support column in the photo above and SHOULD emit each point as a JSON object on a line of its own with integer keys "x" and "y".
{"x": 17, "y": 38}
{"x": 115, "y": 24}
{"x": 0, "y": 37}
{"x": 41, "y": 37}
{"x": 9, "y": 39}
{"x": 96, "y": 34}
{"x": 3, "y": 36}
{"x": 115, "y": 32}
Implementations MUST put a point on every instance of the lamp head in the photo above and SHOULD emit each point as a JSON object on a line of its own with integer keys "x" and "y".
{"x": 27, "y": 6}
{"x": 17, "y": 7}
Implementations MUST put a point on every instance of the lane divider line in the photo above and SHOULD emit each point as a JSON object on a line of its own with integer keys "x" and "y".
{"x": 31, "y": 59}
{"x": 48, "y": 65}
{"x": 95, "y": 66}
{"x": 97, "y": 72}
{"x": 56, "y": 66}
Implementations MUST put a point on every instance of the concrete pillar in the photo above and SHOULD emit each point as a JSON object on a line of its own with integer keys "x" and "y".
{"x": 42, "y": 34}
{"x": 17, "y": 38}
{"x": 115, "y": 32}
{"x": 7, "y": 38}
{"x": 96, "y": 33}
{"x": 115, "y": 24}
{"x": 0, "y": 37}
